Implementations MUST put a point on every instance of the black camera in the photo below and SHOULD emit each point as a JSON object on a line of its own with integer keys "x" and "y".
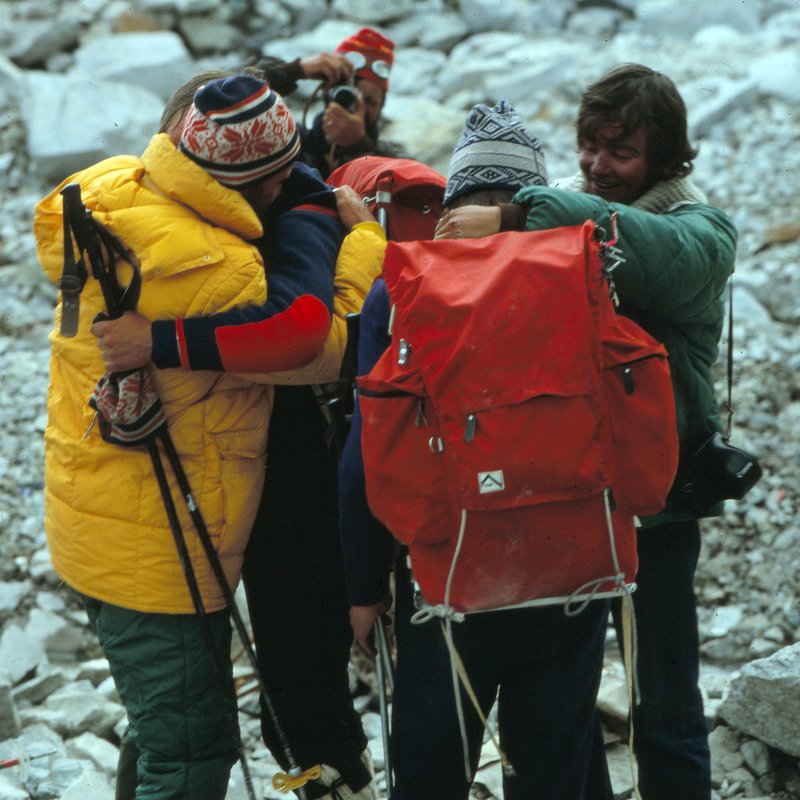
{"x": 718, "y": 471}
{"x": 345, "y": 95}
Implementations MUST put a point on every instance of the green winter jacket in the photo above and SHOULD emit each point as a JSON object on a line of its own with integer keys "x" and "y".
{"x": 679, "y": 253}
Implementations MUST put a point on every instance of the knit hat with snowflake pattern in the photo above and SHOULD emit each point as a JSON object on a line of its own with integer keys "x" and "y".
{"x": 239, "y": 131}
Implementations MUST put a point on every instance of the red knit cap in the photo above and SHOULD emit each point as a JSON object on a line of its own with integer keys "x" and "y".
{"x": 372, "y": 55}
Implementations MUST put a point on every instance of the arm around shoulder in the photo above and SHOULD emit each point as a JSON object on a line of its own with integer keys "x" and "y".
{"x": 358, "y": 265}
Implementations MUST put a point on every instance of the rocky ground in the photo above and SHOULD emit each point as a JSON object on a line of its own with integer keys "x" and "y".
{"x": 72, "y": 91}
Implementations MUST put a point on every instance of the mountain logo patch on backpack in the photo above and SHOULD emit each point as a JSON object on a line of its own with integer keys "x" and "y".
{"x": 492, "y": 481}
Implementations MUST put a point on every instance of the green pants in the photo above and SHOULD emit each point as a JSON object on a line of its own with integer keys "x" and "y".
{"x": 181, "y": 710}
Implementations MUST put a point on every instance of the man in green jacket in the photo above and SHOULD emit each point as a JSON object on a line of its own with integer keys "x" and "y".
{"x": 635, "y": 159}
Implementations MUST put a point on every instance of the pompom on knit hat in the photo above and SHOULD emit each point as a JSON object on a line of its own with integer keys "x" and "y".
{"x": 495, "y": 151}
{"x": 372, "y": 55}
{"x": 239, "y": 131}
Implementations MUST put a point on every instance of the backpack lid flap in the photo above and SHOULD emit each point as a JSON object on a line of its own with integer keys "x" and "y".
{"x": 494, "y": 321}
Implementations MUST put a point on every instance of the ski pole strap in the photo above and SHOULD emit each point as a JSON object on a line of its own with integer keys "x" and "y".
{"x": 73, "y": 273}
{"x": 103, "y": 250}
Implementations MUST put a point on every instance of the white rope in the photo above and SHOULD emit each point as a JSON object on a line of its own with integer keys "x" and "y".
{"x": 456, "y": 553}
{"x": 629, "y": 644}
{"x": 460, "y": 671}
{"x": 462, "y": 725}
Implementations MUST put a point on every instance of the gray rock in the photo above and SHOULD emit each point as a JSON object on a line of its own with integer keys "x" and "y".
{"x": 424, "y": 127}
{"x": 659, "y": 17}
{"x": 157, "y": 61}
{"x": 619, "y": 770}
{"x": 70, "y": 777}
{"x": 324, "y": 38}
{"x": 764, "y": 699}
{"x": 756, "y": 756}
{"x": 60, "y": 638}
{"x": 11, "y": 82}
{"x": 600, "y": 22}
{"x": 9, "y": 718}
{"x": 206, "y": 34}
{"x": 89, "y": 785}
{"x": 719, "y": 101}
{"x": 100, "y": 752}
{"x": 528, "y": 16}
{"x": 11, "y": 593}
{"x": 306, "y": 14}
{"x": 434, "y": 31}
{"x": 35, "y": 41}
{"x": 723, "y": 620}
{"x": 74, "y": 122}
{"x": 75, "y": 709}
{"x": 368, "y": 12}
{"x": 725, "y": 754}
{"x": 95, "y": 671}
{"x": 41, "y": 568}
{"x": 179, "y": 7}
{"x": 414, "y": 73}
{"x": 778, "y": 74}
{"x": 10, "y": 791}
{"x": 36, "y": 690}
{"x": 19, "y": 655}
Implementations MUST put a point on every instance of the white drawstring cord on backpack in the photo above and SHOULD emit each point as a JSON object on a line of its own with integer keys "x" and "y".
{"x": 459, "y": 670}
{"x": 454, "y": 669}
{"x": 629, "y": 647}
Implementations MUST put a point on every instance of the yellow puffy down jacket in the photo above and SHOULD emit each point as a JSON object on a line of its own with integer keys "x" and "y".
{"x": 106, "y": 525}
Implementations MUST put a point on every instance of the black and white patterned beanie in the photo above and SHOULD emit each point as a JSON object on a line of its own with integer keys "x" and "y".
{"x": 495, "y": 151}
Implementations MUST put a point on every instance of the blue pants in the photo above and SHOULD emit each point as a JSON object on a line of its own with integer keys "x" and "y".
{"x": 294, "y": 579}
{"x": 670, "y": 733}
{"x": 671, "y": 736}
{"x": 181, "y": 710}
{"x": 546, "y": 667}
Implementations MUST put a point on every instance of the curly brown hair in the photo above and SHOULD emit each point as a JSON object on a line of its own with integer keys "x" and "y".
{"x": 634, "y": 96}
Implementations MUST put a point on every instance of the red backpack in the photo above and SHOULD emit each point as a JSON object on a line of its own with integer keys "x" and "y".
{"x": 517, "y": 424}
{"x": 406, "y": 195}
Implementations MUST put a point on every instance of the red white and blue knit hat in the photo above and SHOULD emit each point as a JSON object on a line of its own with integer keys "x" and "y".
{"x": 371, "y": 54}
{"x": 239, "y": 131}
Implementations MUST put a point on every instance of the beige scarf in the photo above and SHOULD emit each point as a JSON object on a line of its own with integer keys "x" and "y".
{"x": 662, "y": 198}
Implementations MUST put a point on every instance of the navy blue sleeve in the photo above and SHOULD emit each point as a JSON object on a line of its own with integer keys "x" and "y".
{"x": 300, "y": 246}
{"x": 366, "y": 544}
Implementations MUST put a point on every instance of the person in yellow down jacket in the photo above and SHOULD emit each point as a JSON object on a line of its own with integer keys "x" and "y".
{"x": 187, "y": 213}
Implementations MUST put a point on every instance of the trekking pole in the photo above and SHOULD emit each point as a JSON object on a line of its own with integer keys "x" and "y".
{"x": 197, "y": 602}
{"x": 384, "y": 669}
{"x": 294, "y": 772}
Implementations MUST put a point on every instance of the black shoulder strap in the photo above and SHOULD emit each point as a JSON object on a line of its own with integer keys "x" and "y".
{"x": 729, "y": 405}
{"x": 103, "y": 249}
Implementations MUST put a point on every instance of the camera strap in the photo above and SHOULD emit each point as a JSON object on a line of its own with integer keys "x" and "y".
{"x": 729, "y": 404}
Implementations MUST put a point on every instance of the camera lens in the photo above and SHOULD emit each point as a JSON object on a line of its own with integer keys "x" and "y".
{"x": 345, "y": 96}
